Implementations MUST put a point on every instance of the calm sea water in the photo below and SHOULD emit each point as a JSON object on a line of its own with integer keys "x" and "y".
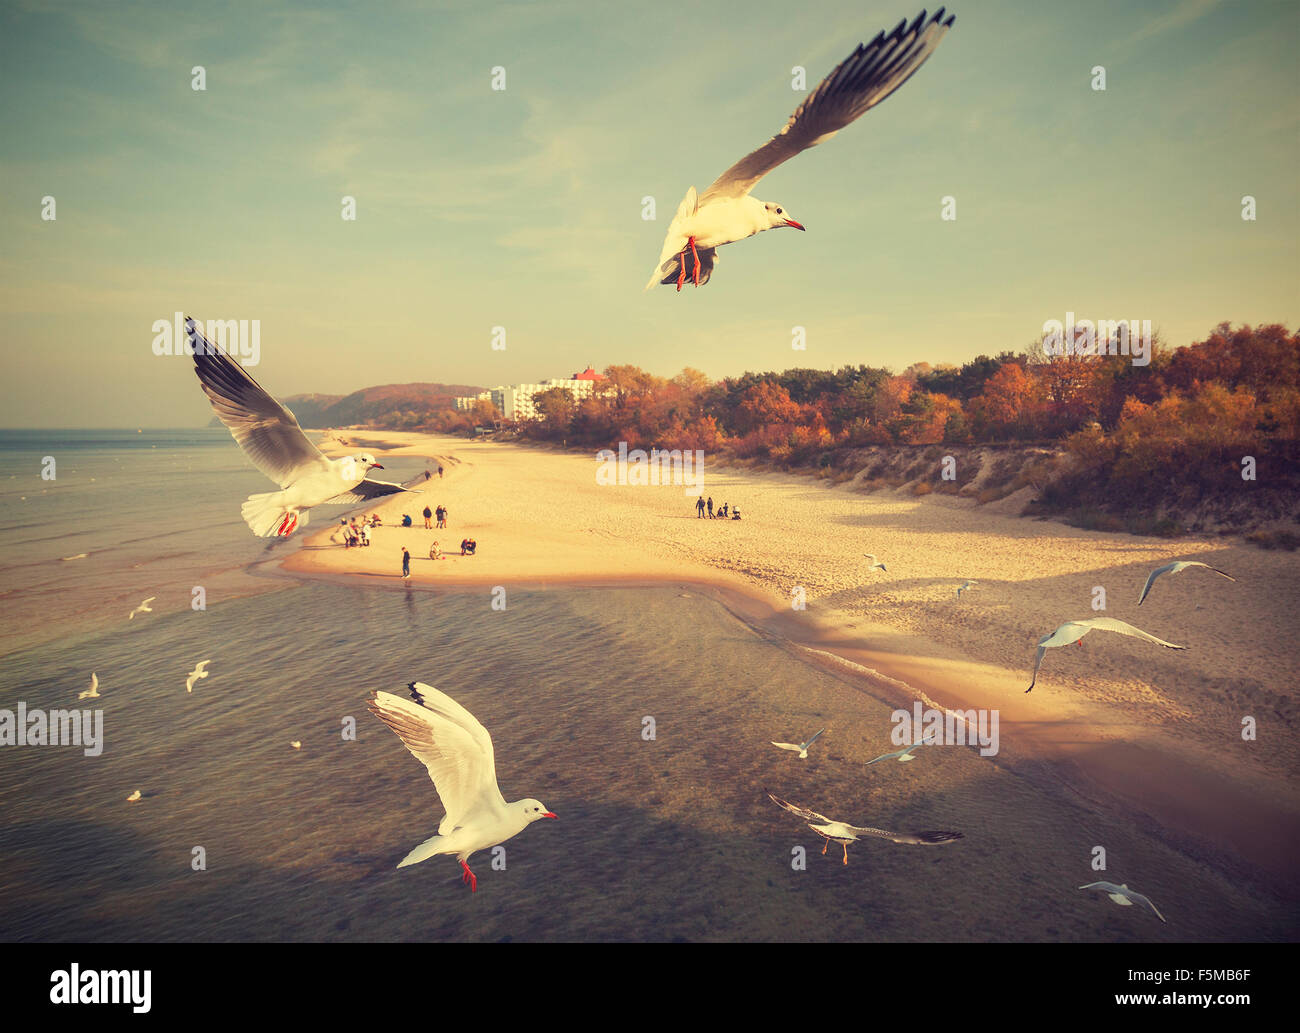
{"x": 663, "y": 837}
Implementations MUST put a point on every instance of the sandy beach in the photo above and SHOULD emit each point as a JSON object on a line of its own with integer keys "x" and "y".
{"x": 1147, "y": 734}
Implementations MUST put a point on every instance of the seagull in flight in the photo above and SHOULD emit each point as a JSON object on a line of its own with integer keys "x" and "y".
{"x": 844, "y": 834}
{"x": 200, "y": 671}
{"x": 1123, "y": 896}
{"x": 802, "y": 748}
{"x": 873, "y": 565}
{"x": 904, "y": 755}
{"x": 726, "y": 212}
{"x": 962, "y": 588}
{"x": 1072, "y": 631}
{"x": 273, "y": 441}
{"x": 144, "y": 607}
{"x": 1176, "y": 568}
{"x": 93, "y": 691}
{"x": 457, "y": 751}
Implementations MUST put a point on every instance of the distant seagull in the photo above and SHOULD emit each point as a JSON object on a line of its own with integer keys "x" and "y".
{"x": 802, "y": 748}
{"x": 727, "y": 213}
{"x": 1123, "y": 896}
{"x": 200, "y": 671}
{"x": 144, "y": 607}
{"x": 1072, "y": 631}
{"x": 905, "y": 755}
{"x": 963, "y": 588}
{"x": 79, "y": 556}
{"x": 93, "y": 691}
{"x": 844, "y": 834}
{"x": 873, "y": 565}
{"x": 134, "y": 797}
{"x": 271, "y": 438}
{"x": 1176, "y": 568}
{"x": 296, "y": 744}
{"x": 457, "y": 751}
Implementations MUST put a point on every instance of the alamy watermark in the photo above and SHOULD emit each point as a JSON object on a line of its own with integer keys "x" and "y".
{"x": 1105, "y": 337}
{"x": 36, "y": 727}
{"x": 658, "y": 467}
{"x": 947, "y": 727}
{"x": 241, "y": 338}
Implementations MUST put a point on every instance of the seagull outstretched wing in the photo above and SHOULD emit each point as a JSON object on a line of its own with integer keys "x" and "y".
{"x": 861, "y": 81}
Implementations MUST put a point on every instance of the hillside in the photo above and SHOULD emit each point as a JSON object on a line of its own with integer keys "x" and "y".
{"x": 392, "y": 405}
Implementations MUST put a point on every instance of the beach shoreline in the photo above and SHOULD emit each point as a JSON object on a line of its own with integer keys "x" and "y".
{"x": 1100, "y": 735}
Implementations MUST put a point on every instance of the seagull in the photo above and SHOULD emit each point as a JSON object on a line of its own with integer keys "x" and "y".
{"x": 273, "y": 441}
{"x": 457, "y": 750}
{"x": 79, "y": 556}
{"x": 134, "y": 797}
{"x": 963, "y": 588}
{"x": 296, "y": 744}
{"x": 93, "y": 691}
{"x": 802, "y": 748}
{"x": 874, "y": 565}
{"x": 200, "y": 671}
{"x": 843, "y": 834}
{"x": 726, "y": 212}
{"x": 904, "y": 755}
{"x": 1176, "y": 568}
{"x": 1123, "y": 896}
{"x": 144, "y": 607}
{"x": 1073, "y": 631}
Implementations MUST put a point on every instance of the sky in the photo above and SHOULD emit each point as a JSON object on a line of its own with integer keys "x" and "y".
{"x": 522, "y": 208}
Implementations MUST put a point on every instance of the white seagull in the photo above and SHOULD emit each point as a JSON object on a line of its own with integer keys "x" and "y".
{"x": 457, "y": 750}
{"x": 802, "y": 748}
{"x": 1176, "y": 568}
{"x": 844, "y": 834}
{"x": 144, "y": 607}
{"x": 873, "y": 565}
{"x": 905, "y": 755}
{"x": 1071, "y": 631}
{"x": 271, "y": 438}
{"x": 93, "y": 691}
{"x": 296, "y": 744}
{"x": 134, "y": 797}
{"x": 1123, "y": 896}
{"x": 727, "y": 213}
{"x": 962, "y": 588}
{"x": 200, "y": 671}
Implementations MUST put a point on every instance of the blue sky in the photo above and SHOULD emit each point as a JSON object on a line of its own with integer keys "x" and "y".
{"x": 522, "y": 208}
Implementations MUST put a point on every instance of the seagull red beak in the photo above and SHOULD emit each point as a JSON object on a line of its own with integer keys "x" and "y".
{"x": 376, "y": 466}
{"x": 548, "y": 814}
{"x": 791, "y": 222}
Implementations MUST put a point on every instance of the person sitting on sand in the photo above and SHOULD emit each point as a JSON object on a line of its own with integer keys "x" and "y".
{"x": 376, "y": 520}
{"x": 406, "y": 520}
{"x": 435, "y": 553}
{"x": 467, "y": 546}
{"x": 735, "y": 514}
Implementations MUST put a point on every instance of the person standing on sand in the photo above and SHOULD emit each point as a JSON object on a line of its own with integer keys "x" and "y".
{"x": 710, "y": 507}
{"x": 406, "y": 562}
{"x": 699, "y": 508}
{"x": 439, "y": 471}
{"x": 428, "y": 514}
{"x": 442, "y": 515}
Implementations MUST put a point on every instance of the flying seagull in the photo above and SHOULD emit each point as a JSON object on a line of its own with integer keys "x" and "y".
{"x": 200, "y": 671}
{"x": 273, "y": 441}
{"x": 962, "y": 588}
{"x": 1123, "y": 896}
{"x": 904, "y": 755}
{"x": 93, "y": 691}
{"x": 296, "y": 744}
{"x": 1176, "y": 568}
{"x": 457, "y": 750}
{"x": 144, "y": 607}
{"x": 726, "y": 212}
{"x": 802, "y": 748}
{"x": 844, "y": 834}
{"x": 1072, "y": 631}
{"x": 873, "y": 565}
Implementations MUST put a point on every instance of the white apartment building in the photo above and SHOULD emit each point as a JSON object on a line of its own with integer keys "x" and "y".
{"x": 516, "y": 401}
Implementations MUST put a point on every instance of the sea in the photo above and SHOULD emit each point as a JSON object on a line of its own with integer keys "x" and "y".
{"x": 640, "y": 715}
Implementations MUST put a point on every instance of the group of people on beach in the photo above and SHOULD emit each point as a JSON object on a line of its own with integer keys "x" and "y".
{"x": 724, "y": 512}
{"x": 440, "y": 513}
{"x": 357, "y": 534}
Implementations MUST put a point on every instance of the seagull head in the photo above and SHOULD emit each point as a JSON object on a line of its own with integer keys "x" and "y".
{"x": 777, "y": 216}
{"x": 368, "y": 461}
{"x": 534, "y": 810}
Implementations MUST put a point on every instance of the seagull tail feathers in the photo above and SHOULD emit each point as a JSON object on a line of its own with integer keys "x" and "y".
{"x": 266, "y": 515}
{"x": 423, "y": 852}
